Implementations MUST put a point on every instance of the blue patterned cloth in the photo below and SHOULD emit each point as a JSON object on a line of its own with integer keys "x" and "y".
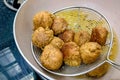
{"x": 12, "y": 65}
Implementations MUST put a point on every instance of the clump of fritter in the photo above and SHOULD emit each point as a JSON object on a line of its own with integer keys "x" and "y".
{"x": 59, "y": 25}
{"x": 57, "y": 42}
{"x": 67, "y": 36}
{"x": 99, "y": 34}
{"x": 100, "y": 71}
{"x": 71, "y": 54}
{"x": 90, "y": 52}
{"x": 42, "y": 37}
{"x": 43, "y": 19}
{"x": 81, "y": 37}
{"x": 51, "y": 57}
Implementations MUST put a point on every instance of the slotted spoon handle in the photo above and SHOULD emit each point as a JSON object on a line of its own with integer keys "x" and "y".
{"x": 115, "y": 65}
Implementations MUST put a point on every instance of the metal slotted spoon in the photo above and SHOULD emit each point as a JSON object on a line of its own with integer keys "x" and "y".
{"x": 82, "y": 69}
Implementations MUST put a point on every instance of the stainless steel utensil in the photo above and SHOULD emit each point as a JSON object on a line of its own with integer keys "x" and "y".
{"x": 82, "y": 69}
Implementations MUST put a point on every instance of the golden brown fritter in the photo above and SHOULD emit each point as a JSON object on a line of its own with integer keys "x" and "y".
{"x": 81, "y": 37}
{"x": 57, "y": 42}
{"x": 43, "y": 19}
{"x": 90, "y": 51}
{"x": 67, "y": 36}
{"x": 100, "y": 71}
{"x": 71, "y": 54}
{"x": 51, "y": 57}
{"x": 42, "y": 37}
{"x": 59, "y": 25}
{"x": 99, "y": 34}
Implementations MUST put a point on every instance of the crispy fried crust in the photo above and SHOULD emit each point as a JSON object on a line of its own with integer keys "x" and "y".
{"x": 100, "y": 71}
{"x": 71, "y": 54}
{"x": 99, "y": 34}
{"x": 42, "y": 37}
{"x": 90, "y": 51}
{"x": 67, "y": 36}
{"x": 81, "y": 37}
{"x": 57, "y": 42}
{"x": 43, "y": 19}
{"x": 51, "y": 57}
{"x": 59, "y": 25}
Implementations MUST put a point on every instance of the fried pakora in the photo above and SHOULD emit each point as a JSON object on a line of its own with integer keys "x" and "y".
{"x": 43, "y": 19}
{"x": 90, "y": 51}
{"x": 57, "y": 42}
{"x": 67, "y": 36}
{"x": 71, "y": 54}
{"x": 42, "y": 37}
{"x": 100, "y": 71}
{"x": 51, "y": 57}
{"x": 59, "y": 25}
{"x": 99, "y": 34}
{"x": 81, "y": 37}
